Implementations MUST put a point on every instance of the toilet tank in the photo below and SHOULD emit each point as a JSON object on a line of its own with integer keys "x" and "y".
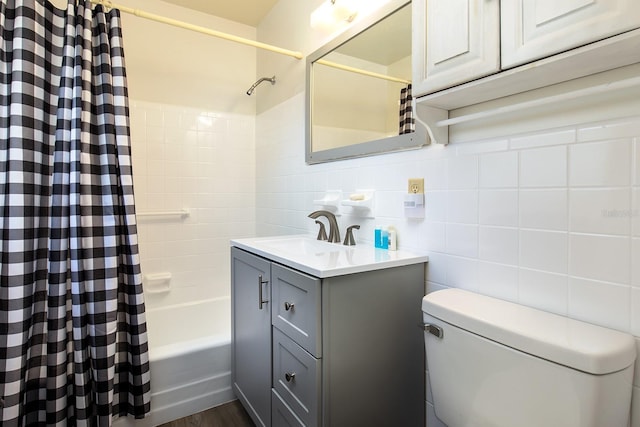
{"x": 500, "y": 364}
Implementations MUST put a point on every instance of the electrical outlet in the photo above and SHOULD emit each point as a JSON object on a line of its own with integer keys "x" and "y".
{"x": 416, "y": 185}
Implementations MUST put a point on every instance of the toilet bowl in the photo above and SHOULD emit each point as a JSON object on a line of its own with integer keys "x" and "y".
{"x": 500, "y": 364}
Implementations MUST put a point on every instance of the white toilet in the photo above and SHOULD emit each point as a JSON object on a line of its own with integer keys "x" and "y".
{"x": 500, "y": 364}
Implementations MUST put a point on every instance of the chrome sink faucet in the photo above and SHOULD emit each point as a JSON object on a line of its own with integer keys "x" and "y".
{"x": 334, "y": 233}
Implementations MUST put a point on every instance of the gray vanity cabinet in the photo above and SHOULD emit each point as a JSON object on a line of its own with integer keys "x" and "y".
{"x": 344, "y": 351}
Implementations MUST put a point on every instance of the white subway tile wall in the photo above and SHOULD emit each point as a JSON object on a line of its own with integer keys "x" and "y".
{"x": 499, "y": 170}
{"x": 549, "y": 219}
{"x": 635, "y": 402}
{"x": 636, "y": 161}
{"x": 635, "y": 265}
{"x": 565, "y": 136}
{"x": 498, "y": 280}
{"x": 635, "y": 206}
{"x": 499, "y": 244}
{"x": 543, "y": 250}
{"x": 462, "y": 207}
{"x": 499, "y": 207}
{"x": 601, "y": 164}
{"x": 543, "y": 167}
{"x": 589, "y": 205}
{"x": 462, "y": 240}
{"x": 204, "y": 162}
{"x": 543, "y": 209}
{"x": 635, "y": 312}
{"x": 600, "y": 257}
{"x": 606, "y": 304}
{"x": 543, "y": 290}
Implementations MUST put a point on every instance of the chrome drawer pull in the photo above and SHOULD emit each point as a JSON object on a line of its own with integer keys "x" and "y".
{"x": 288, "y": 306}
{"x": 261, "y": 282}
{"x": 290, "y": 376}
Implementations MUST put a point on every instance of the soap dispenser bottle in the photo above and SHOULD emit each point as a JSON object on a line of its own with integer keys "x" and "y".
{"x": 385, "y": 238}
{"x": 393, "y": 239}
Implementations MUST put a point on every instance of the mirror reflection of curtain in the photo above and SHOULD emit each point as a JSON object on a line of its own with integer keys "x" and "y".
{"x": 73, "y": 341}
{"x": 407, "y": 121}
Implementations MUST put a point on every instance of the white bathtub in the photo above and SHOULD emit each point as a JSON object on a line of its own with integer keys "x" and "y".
{"x": 190, "y": 360}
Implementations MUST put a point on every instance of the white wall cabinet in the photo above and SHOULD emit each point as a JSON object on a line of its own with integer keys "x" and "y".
{"x": 469, "y": 51}
{"x": 340, "y": 351}
{"x": 458, "y": 40}
{"x": 533, "y": 29}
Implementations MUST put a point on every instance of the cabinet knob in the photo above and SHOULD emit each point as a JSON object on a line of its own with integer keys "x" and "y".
{"x": 288, "y": 306}
{"x": 289, "y": 376}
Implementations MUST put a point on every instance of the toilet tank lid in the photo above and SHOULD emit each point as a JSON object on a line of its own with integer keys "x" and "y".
{"x": 579, "y": 345}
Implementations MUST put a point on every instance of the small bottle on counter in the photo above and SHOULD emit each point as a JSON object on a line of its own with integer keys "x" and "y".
{"x": 377, "y": 236}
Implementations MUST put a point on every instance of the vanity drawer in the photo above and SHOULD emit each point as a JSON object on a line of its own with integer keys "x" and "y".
{"x": 295, "y": 308}
{"x": 281, "y": 414}
{"x": 297, "y": 378}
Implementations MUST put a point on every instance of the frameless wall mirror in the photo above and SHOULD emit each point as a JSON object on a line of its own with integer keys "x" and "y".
{"x": 356, "y": 89}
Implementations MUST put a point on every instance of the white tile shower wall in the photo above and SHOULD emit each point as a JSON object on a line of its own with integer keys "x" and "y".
{"x": 203, "y": 161}
{"x": 549, "y": 219}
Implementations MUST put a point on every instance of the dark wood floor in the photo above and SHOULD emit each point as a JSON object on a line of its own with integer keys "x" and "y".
{"x": 230, "y": 414}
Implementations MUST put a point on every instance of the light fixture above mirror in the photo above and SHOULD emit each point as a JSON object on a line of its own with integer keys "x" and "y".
{"x": 331, "y": 12}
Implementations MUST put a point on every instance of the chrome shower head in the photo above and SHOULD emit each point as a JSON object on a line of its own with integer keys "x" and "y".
{"x": 253, "y": 86}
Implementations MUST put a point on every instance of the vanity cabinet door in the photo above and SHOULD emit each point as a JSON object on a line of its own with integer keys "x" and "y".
{"x": 533, "y": 29}
{"x": 455, "y": 41}
{"x": 251, "y": 334}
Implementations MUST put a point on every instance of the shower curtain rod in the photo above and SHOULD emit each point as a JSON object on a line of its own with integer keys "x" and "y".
{"x": 196, "y": 28}
{"x": 360, "y": 71}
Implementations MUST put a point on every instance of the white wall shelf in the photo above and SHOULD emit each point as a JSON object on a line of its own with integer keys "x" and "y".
{"x": 330, "y": 201}
{"x": 363, "y": 207}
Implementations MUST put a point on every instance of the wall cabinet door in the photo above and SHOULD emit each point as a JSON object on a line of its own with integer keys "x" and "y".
{"x": 251, "y": 339}
{"x": 454, "y": 41}
{"x": 533, "y": 29}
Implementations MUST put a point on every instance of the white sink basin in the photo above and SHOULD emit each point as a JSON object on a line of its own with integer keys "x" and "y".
{"x": 324, "y": 259}
{"x": 303, "y": 245}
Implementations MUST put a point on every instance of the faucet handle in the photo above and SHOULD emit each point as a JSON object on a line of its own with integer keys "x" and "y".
{"x": 348, "y": 238}
{"x": 322, "y": 233}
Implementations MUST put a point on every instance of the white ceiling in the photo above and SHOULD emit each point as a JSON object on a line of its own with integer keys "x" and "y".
{"x": 385, "y": 45}
{"x": 249, "y": 12}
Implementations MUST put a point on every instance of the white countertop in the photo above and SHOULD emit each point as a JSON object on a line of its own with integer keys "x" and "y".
{"x": 324, "y": 259}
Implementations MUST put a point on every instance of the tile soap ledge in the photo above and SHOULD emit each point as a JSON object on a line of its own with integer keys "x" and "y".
{"x": 330, "y": 201}
{"x": 361, "y": 203}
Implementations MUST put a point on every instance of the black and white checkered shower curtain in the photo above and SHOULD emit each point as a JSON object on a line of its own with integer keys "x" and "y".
{"x": 73, "y": 341}
{"x": 407, "y": 121}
